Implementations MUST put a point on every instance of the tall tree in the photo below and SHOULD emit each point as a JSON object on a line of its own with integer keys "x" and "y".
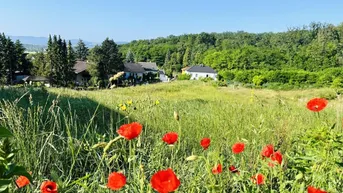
{"x": 2, "y": 58}
{"x": 187, "y": 57}
{"x": 81, "y": 51}
{"x": 71, "y": 60}
{"x": 104, "y": 61}
{"x": 40, "y": 65}
{"x": 130, "y": 57}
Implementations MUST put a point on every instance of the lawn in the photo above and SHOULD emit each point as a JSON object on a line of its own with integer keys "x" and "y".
{"x": 60, "y": 135}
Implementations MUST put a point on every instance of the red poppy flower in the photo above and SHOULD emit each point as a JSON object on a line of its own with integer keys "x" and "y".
{"x": 268, "y": 150}
{"x": 48, "y": 187}
{"x": 116, "y": 181}
{"x": 170, "y": 138}
{"x": 165, "y": 181}
{"x": 317, "y": 104}
{"x": 205, "y": 143}
{"x": 238, "y": 148}
{"x": 311, "y": 189}
{"x": 276, "y": 156}
{"x": 130, "y": 131}
{"x": 22, "y": 181}
{"x": 258, "y": 179}
{"x": 233, "y": 169}
{"x": 217, "y": 169}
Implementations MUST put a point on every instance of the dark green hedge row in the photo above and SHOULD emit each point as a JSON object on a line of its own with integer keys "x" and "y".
{"x": 328, "y": 77}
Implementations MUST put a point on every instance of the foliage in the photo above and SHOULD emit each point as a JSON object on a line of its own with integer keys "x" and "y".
{"x": 184, "y": 76}
{"x": 81, "y": 51}
{"x": 60, "y": 58}
{"x": 130, "y": 57}
{"x": 104, "y": 60}
{"x": 259, "y": 80}
{"x": 312, "y": 48}
{"x": 12, "y": 58}
{"x": 8, "y": 168}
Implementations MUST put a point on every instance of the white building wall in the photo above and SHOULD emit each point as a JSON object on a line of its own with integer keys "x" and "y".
{"x": 197, "y": 75}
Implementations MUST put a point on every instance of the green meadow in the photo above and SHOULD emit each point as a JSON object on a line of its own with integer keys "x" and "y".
{"x": 60, "y": 135}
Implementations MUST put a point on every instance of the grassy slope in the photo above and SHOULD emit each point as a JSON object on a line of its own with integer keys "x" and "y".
{"x": 226, "y": 115}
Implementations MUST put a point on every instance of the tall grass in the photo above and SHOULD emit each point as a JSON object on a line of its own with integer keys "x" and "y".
{"x": 56, "y": 130}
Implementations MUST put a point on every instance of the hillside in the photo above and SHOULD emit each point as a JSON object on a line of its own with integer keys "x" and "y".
{"x": 313, "y": 47}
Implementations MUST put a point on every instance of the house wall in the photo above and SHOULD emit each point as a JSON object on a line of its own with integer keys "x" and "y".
{"x": 127, "y": 74}
{"x": 197, "y": 75}
{"x": 164, "y": 78}
{"x": 80, "y": 79}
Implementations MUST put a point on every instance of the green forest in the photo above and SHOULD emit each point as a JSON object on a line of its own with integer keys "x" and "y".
{"x": 301, "y": 51}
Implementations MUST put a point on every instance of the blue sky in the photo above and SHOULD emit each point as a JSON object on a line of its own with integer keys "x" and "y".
{"x": 126, "y": 20}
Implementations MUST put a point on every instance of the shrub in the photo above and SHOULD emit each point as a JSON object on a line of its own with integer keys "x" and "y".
{"x": 184, "y": 77}
{"x": 207, "y": 79}
{"x": 259, "y": 80}
{"x": 337, "y": 83}
{"x": 246, "y": 76}
{"x": 226, "y": 75}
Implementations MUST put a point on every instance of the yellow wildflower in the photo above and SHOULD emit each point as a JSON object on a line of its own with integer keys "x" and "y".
{"x": 123, "y": 108}
{"x": 129, "y": 102}
{"x": 157, "y": 102}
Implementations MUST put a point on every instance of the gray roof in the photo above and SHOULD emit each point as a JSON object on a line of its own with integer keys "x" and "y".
{"x": 35, "y": 79}
{"x": 148, "y": 65}
{"x": 201, "y": 68}
{"x": 80, "y": 66}
{"x": 133, "y": 67}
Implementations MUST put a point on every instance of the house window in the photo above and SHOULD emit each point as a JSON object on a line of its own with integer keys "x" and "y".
{"x": 206, "y": 75}
{"x": 196, "y": 75}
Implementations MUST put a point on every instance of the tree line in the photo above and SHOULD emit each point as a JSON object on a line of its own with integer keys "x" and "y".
{"x": 57, "y": 61}
{"x": 314, "y": 47}
{"x": 12, "y": 59}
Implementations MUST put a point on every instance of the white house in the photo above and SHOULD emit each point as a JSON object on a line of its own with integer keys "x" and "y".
{"x": 163, "y": 76}
{"x": 201, "y": 71}
{"x": 133, "y": 70}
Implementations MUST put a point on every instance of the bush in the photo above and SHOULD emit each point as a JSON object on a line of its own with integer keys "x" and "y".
{"x": 246, "y": 76}
{"x": 259, "y": 80}
{"x": 226, "y": 75}
{"x": 207, "y": 79}
{"x": 184, "y": 77}
{"x": 337, "y": 83}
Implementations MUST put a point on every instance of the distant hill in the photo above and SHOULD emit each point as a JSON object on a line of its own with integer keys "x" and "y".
{"x": 35, "y": 44}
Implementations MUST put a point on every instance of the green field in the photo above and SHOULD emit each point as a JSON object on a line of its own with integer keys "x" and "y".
{"x": 55, "y": 131}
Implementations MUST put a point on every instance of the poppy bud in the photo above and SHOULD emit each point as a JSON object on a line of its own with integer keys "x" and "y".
{"x": 192, "y": 158}
{"x": 176, "y": 116}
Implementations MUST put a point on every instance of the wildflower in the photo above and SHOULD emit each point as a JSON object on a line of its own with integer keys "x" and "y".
{"x": 258, "y": 179}
{"x": 130, "y": 131}
{"x": 268, "y": 150}
{"x": 233, "y": 169}
{"x": 317, "y": 104}
{"x": 48, "y": 187}
{"x": 205, "y": 143}
{"x": 217, "y": 169}
{"x": 123, "y": 107}
{"x": 276, "y": 156}
{"x": 22, "y": 181}
{"x": 238, "y": 148}
{"x": 311, "y": 189}
{"x": 170, "y": 138}
{"x": 116, "y": 181}
{"x": 129, "y": 102}
{"x": 157, "y": 102}
{"x": 165, "y": 181}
